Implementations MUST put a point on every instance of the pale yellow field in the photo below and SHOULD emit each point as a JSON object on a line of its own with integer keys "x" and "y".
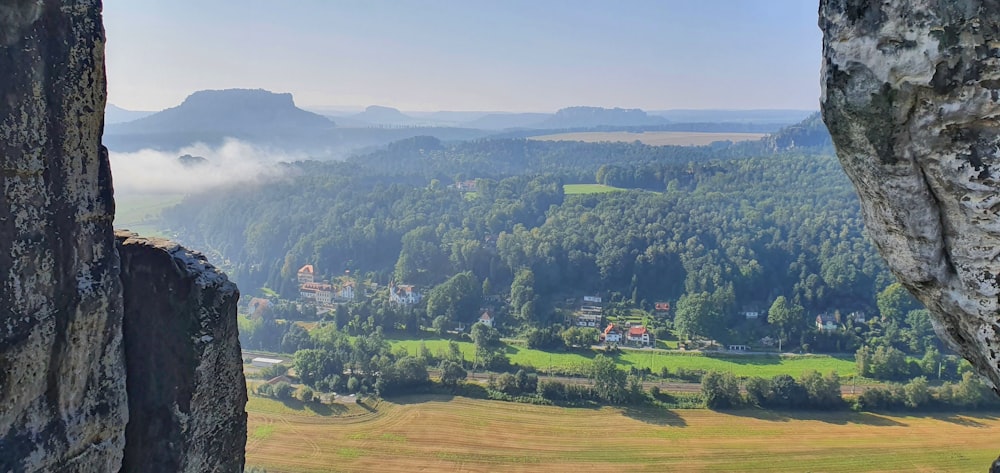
{"x": 652, "y": 138}
{"x": 437, "y": 433}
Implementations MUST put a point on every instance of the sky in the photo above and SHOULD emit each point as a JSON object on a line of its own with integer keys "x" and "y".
{"x": 488, "y": 55}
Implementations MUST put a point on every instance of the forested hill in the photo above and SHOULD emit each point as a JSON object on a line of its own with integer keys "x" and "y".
{"x": 737, "y": 231}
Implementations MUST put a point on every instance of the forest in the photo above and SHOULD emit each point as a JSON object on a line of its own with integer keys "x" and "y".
{"x": 715, "y": 230}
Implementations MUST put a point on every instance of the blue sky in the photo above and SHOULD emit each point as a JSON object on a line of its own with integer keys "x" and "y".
{"x": 514, "y": 55}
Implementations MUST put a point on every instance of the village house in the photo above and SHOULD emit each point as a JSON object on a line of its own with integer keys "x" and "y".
{"x": 405, "y": 294}
{"x": 639, "y": 334}
{"x": 612, "y": 334}
{"x": 826, "y": 322}
{"x": 589, "y": 320}
{"x": 662, "y": 307}
{"x": 320, "y": 293}
{"x": 306, "y": 274}
{"x": 486, "y": 319}
{"x": 346, "y": 292}
{"x": 750, "y": 314}
{"x": 857, "y": 317}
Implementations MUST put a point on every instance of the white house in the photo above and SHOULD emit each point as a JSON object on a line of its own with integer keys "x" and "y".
{"x": 589, "y": 320}
{"x": 612, "y": 334}
{"x": 486, "y": 319}
{"x": 639, "y": 334}
{"x": 404, "y": 294}
{"x": 826, "y": 322}
{"x": 346, "y": 292}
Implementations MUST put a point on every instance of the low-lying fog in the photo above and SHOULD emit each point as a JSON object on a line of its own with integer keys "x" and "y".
{"x": 163, "y": 172}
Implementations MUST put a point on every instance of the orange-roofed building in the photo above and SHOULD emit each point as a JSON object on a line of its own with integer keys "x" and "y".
{"x": 639, "y": 334}
{"x": 612, "y": 334}
{"x": 307, "y": 274}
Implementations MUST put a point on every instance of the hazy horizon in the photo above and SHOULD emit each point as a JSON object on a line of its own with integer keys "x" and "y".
{"x": 518, "y": 56}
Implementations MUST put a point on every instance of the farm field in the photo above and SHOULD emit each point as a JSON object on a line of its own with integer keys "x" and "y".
{"x": 578, "y": 189}
{"x": 440, "y": 433}
{"x": 652, "y": 138}
{"x": 141, "y": 213}
{"x": 746, "y": 365}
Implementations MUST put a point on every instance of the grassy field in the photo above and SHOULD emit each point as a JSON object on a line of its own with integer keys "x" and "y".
{"x": 141, "y": 212}
{"x": 577, "y": 189}
{"x": 653, "y": 138}
{"x": 438, "y": 433}
{"x": 757, "y": 365}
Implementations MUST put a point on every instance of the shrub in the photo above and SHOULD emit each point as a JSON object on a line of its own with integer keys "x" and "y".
{"x": 720, "y": 390}
{"x": 305, "y": 394}
{"x": 283, "y": 391}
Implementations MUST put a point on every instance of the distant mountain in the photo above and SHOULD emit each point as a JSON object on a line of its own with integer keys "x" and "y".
{"x": 263, "y": 118}
{"x": 233, "y": 111}
{"x": 114, "y": 114}
{"x": 378, "y": 115}
{"x": 591, "y": 117}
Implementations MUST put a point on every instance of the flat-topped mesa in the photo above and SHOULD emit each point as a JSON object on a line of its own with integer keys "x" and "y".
{"x": 911, "y": 95}
{"x": 182, "y": 353}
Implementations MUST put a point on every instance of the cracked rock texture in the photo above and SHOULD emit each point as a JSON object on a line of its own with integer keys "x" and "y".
{"x": 62, "y": 377}
{"x": 185, "y": 371}
{"x": 103, "y": 367}
{"x": 911, "y": 95}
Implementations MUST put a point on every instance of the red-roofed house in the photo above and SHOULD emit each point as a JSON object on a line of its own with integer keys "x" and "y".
{"x": 486, "y": 319}
{"x": 307, "y": 274}
{"x": 639, "y": 334}
{"x": 612, "y": 334}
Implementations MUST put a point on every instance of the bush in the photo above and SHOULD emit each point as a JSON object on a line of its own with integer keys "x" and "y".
{"x": 305, "y": 394}
{"x": 283, "y": 391}
{"x": 720, "y": 390}
{"x": 265, "y": 390}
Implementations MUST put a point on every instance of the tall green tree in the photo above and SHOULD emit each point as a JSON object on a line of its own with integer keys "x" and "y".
{"x": 610, "y": 383}
{"x": 785, "y": 316}
{"x": 697, "y": 316}
{"x": 458, "y": 299}
{"x": 895, "y": 301}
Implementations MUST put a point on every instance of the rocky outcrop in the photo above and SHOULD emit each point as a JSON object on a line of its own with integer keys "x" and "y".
{"x": 911, "y": 95}
{"x": 67, "y": 401}
{"x": 62, "y": 377}
{"x": 185, "y": 379}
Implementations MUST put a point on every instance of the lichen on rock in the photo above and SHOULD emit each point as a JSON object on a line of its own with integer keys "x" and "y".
{"x": 182, "y": 351}
{"x": 911, "y": 95}
{"x": 67, "y": 402}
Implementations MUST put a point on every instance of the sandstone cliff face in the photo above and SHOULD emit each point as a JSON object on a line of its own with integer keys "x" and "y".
{"x": 62, "y": 379}
{"x": 65, "y": 395}
{"x": 911, "y": 95}
{"x": 186, "y": 390}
